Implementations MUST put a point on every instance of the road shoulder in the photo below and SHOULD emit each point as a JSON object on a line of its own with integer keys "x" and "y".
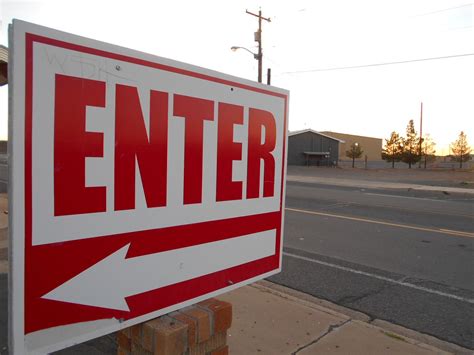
{"x": 372, "y": 184}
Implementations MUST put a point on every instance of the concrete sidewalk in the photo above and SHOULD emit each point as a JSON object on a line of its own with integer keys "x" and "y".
{"x": 376, "y": 184}
{"x": 272, "y": 319}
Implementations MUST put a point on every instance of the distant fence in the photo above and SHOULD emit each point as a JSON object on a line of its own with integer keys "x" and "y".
{"x": 382, "y": 164}
{"x": 360, "y": 164}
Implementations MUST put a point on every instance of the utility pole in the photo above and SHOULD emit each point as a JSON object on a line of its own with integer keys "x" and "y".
{"x": 421, "y": 132}
{"x": 258, "y": 38}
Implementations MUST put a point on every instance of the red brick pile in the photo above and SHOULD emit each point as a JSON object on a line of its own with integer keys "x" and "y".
{"x": 200, "y": 329}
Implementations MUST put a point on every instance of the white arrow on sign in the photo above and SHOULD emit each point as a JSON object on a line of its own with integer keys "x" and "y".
{"x": 107, "y": 283}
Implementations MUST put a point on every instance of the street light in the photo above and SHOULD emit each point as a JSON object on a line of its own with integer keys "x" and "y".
{"x": 234, "y": 48}
{"x": 258, "y": 57}
{"x": 258, "y": 38}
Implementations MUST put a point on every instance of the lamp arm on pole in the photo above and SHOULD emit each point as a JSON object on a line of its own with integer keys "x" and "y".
{"x": 234, "y": 48}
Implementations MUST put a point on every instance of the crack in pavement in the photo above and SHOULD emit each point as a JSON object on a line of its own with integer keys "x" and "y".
{"x": 330, "y": 329}
{"x": 348, "y": 300}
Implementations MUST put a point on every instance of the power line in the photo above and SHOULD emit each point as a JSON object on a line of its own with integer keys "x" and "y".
{"x": 377, "y": 64}
{"x": 444, "y": 10}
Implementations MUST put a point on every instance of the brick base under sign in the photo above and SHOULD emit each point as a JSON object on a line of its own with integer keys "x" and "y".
{"x": 200, "y": 329}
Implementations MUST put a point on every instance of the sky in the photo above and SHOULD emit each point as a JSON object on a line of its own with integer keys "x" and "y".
{"x": 303, "y": 40}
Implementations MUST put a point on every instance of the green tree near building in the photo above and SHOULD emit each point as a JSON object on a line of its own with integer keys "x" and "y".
{"x": 411, "y": 146}
{"x": 392, "y": 151}
{"x": 354, "y": 152}
{"x": 428, "y": 150}
{"x": 460, "y": 149}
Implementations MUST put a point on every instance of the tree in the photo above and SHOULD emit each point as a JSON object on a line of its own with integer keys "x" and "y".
{"x": 428, "y": 149}
{"x": 355, "y": 152}
{"x": 460, "y": 149}
{"x": 392, "y": 151}
{"x": 411, "y": 146}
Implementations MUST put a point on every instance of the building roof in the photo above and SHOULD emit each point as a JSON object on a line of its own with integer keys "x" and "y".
{"x": 348, "y": 135}
{"x": 294, "y": 133}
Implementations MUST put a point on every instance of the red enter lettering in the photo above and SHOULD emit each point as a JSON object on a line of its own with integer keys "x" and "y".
{"x": 131, "y": 142}
{"x": 227, "y": 152}
{"x": 72, "y": 144}
{"x": 134, "y": 146}
{"x": 258, "y": 120}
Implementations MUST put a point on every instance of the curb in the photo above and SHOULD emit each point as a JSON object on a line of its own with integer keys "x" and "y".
{"x": 310, "y": 301}
{"x": 410, "y": 336}
{"x": 364, "y": 184}
{"x": 421, "y": 337}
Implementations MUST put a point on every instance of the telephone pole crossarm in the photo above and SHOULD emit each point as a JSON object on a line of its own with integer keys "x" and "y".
{"x": 259, "y": 16}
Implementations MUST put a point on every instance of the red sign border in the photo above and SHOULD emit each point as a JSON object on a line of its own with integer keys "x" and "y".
{"x": 263, "y": 265}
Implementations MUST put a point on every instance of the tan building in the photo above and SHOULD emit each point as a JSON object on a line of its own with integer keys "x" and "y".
{"x": 372, "y": 147}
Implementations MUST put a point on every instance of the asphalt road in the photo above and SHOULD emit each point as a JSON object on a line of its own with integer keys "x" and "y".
{"x": 403, "y": 256}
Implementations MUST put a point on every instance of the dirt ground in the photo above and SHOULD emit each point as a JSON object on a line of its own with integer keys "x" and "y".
{"x": 456, "y": 178}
